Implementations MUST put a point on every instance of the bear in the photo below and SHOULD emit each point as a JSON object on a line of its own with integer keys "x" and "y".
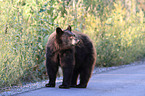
{"x": 75, "y": 53}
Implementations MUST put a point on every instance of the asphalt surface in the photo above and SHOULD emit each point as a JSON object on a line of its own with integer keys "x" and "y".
{"x": 128, "y": 81}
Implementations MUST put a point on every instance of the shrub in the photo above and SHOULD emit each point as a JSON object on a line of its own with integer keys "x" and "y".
{"x": 27, "y": 24}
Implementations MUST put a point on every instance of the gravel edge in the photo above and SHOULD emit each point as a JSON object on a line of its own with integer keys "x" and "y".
{"x": 33, "y": 86}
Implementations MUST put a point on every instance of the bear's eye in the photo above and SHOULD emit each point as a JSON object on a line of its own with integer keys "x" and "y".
{"x": 74, "y": 35}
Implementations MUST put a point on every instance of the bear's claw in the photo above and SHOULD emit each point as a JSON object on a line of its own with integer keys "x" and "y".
{"x": 64, "y": 87}
{"x": 49, "y": 85}
{"x": 81, "y": 86}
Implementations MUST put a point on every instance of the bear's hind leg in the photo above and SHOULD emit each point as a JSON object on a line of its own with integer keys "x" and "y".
{"x": 84, "y": 78}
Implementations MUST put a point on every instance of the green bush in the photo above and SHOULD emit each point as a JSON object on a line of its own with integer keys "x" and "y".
{"x": 26, "y": 25}
{"x": 23, "y": 41}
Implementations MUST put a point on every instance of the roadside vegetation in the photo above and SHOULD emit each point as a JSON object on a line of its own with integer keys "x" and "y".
{"x": 116, "y": 27}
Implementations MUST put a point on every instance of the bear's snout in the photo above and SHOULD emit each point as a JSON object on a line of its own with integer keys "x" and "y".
{"x": 75, "y": 41}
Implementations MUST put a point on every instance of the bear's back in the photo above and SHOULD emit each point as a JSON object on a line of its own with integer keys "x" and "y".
{"x": 84, "y": 48}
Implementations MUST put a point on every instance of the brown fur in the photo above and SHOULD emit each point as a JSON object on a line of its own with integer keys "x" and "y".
{"x": 74, "y": 60}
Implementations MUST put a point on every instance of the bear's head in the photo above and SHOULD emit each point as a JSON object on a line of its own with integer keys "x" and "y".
{"x": 66, "y": 38}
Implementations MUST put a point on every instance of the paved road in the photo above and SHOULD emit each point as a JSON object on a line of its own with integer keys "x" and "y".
{"x": 128, "y": 81}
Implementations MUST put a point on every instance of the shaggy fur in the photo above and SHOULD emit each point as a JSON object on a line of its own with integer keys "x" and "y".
{"x": 75, "y": 60}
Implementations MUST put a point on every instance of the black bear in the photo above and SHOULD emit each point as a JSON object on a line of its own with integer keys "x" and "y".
{"x": 76, "y": 55}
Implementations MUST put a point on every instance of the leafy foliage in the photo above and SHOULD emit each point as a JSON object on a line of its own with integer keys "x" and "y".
{"x": 26, "y": 25}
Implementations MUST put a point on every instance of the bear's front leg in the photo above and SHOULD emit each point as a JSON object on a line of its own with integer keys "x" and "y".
{"x": 67, "y": 75}
{"x": 67, "y": 63}
{"x": 52, "y": 68}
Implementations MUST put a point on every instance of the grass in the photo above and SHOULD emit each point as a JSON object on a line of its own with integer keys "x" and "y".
{"x": 26, "y": 25}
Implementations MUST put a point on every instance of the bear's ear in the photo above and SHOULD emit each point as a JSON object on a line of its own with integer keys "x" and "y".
{"x": 69, "y": 28}
{"x": 59, "y": 31}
